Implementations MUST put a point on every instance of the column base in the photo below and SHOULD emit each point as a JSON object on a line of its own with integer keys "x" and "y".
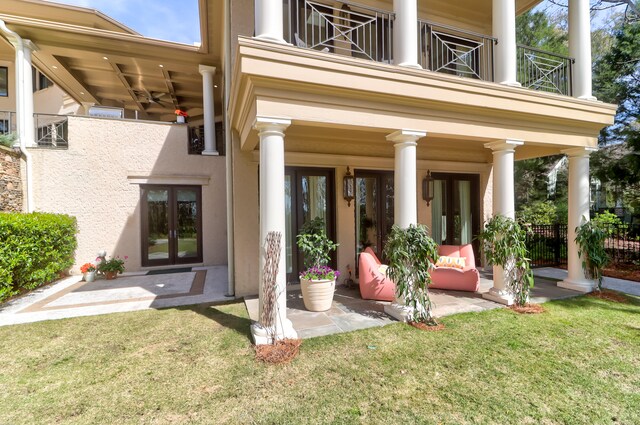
{"x": 591, "y": 98}
{"x": 409, "y": 65}
{"x": 511, "y": 83}
{"x": 500, "y": 296}
{"x": 398, "y": 311}
{"x": 579, "y": 285}
{"x": 262, "y": 335}
{"x": 267, "y": 37}
{"x": 212, "y": 153}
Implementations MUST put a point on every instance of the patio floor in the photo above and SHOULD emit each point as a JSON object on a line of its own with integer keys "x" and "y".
{"x": 350, "y": 312}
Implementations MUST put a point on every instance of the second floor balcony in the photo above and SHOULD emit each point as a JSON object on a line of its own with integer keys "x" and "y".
{"x": 360, "y": 31}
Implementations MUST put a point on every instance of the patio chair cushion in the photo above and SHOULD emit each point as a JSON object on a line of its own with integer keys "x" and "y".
{"x": 465, "y": 279}
{"x": 374, "y": 285}
{"x": 452, "y": 262}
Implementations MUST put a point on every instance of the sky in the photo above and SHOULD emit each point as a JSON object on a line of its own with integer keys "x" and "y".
{"x": 175, "y": 20}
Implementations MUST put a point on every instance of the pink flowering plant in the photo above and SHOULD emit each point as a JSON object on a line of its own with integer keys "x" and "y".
{"x": 316, "y": 248}
{"x": 114, "y": 264}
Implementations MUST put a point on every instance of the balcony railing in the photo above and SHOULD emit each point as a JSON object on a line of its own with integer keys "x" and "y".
{"x": 544, "y": 71}
{"x": 454, "y": 51}
{"x": 341, "y": 27}
{"x": 52, "y": 131}
{"x": 7, "y": 122}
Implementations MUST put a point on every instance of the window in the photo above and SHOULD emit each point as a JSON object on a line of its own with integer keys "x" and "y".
{"x": 40, "y": 81}
{"x": 4, "y": 81}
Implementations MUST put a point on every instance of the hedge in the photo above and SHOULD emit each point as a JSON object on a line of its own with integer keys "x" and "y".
{"x": 34, "y": 249}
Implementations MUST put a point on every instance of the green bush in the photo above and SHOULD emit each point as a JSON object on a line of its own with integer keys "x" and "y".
{"x": 34, "y": 249}
{"x": 610, "y": 223}
{"x": 540, "y": 212}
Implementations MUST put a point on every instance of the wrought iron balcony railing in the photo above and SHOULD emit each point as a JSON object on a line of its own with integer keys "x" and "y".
{"x": 340, "y": 27}
{"x": 544, "y": 71}
{"x": 454, "y": 51}
{"x": 7, "y": 122}
{"x": 52, "y": 131}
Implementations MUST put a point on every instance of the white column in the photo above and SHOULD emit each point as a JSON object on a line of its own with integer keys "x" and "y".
{"x": 405, "y": 195}
{"x": 268, "y": 20}
{"x": 405, "y": 33}
{"x": 503, "y": 204}
{"x": 209, "y": 110}
{"x": 272, "y": 219}
{"x": 24, "y": 93}
{"x": 578, "y": 213}
{"x": 580, "y": 48}
{"x": 504, "y": 29}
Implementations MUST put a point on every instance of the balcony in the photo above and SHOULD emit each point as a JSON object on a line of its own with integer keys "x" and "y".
{"x": 7, "y": 122}
{"x": 364, "y": 32}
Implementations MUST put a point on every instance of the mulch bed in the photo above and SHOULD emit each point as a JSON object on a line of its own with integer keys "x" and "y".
{"x": 623, "y": 271}
{"x": 608, "y": 295}
{"x": 425, "y": 327}
{"x": 528, "y": 309}
{"x": 280, "y": 352}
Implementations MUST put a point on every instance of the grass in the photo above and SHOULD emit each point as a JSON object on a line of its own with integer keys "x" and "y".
{"x": 578, "y": 363}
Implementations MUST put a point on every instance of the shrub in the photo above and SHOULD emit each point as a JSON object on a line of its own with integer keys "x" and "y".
{"x": 34, "y": 249}
{"x": 590, "y": 236}
{"x": 8, "y": 139}
{"x": 538, "y": 213}
{"x": 609, "y": 222}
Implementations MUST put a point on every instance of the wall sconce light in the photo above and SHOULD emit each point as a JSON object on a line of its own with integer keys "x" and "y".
{"x": 427, "y": 188}
{"x": 348, "y": 187}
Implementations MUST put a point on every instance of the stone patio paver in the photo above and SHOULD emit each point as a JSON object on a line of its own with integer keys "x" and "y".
{"x": 626, "y": 286}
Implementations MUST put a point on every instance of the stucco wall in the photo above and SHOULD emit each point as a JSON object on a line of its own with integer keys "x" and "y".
{"x": 92, "y": 181}
{"x": 10, "y": 180}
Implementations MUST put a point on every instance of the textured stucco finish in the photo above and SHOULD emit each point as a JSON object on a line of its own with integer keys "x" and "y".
{"x": 91, "y": 181}
{"x": 10, "y": 180}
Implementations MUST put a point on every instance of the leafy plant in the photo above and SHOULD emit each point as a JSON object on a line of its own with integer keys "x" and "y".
{"x": 87, "y": 267}
{"x": 539, "y": 212}
{"x": 411, "y": 254}
{"x": 34, "y": 249}
{"x": 320, "y": 273}
{"x": 114, "y": 264}
{"x": 590, "y": 236}
{"x": 315, "y": 244}
{"x": 8, "y": 139}
{"x": 503, "y": 243}
{"x": 609, "y": 222}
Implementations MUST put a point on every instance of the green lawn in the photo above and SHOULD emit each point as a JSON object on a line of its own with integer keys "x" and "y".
{"x": 578, "y": 363}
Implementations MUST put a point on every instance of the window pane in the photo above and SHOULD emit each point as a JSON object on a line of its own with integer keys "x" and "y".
{"x": 4, "y": 81}
{"x": 158, "y": 210}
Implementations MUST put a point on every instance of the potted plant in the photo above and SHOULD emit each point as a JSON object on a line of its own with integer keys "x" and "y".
{"x": 318, "y": 281}
{"x": 88, "y": 271}
{"x": 181, "y": 116}
{"x": 503, "y": 243}
{"x": 111, "y": 267}
{"x": 411, "y": 254}
{"x": 590, "y": 237}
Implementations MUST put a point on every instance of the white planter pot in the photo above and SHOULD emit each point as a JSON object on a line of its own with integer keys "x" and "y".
{"x": 89, "y": 276}
{"x": 317, "y": 294}
{"x": 180, "y": 119}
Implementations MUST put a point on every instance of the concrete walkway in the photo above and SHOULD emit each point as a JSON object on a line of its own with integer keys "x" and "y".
{"x": 129, "y": 292}
{"x": 350, "y": 312}
{"x": 621, "y": 285}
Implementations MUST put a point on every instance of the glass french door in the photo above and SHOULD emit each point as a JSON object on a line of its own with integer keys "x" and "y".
{"x": 309, "y": 193}
{"x": 171, "y": 225}
{"x": 374, "y": 210}
{"x": 455, "y": 209}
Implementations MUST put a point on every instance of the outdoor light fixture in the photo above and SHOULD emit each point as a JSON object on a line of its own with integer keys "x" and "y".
{"x": 348, "y": 187}
{"x": 427, "y": 188}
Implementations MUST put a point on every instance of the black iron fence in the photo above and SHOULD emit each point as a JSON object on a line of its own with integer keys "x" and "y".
{"x": 547, "y": 244}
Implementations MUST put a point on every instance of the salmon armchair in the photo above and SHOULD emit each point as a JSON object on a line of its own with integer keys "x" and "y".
{"x": 467, "y": 279}
{"x": 374, "y": 285}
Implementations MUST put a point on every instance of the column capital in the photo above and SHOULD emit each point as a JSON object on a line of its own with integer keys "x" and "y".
{"x": 206, "y": 69}
{"x": 582, "y": 151}
{"x": 263, "y": 124}
{"x": 504, "y": 145}
{"x": 403, "y": 136}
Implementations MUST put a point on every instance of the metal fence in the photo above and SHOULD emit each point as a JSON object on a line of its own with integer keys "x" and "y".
{"x": 544, "y": 71}
{"x": 340, "y": 27}
{"x": 52, "y": 131}
{"x": 455, "y": 51}
{"x": 7, "y": 122}
{"x": 547, "y": 244}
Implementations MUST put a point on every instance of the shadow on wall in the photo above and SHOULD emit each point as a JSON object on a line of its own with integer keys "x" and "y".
{"x": 98, "y": 181}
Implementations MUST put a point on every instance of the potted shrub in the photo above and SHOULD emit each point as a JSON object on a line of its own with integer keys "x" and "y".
{"x": 503, "y": 243}
{"x": 88, "y": 271}
{"x": 111, "y": 267}
{"x": 318, "y": 281}
{"x": 590, "y": 237}
{"x": 411, "y": 254}
{"x": 181, "y": 116}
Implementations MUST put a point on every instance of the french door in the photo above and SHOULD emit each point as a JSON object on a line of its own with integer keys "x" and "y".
{"x": 171, "y": 225}
{"x": 374, "y": 209}
{"x": 455, "y": 209}
{"x": 309, "y": 194}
